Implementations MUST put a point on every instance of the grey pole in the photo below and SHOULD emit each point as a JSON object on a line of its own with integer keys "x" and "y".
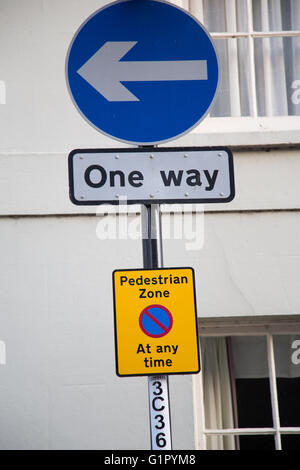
{"x": 158, "y": 385}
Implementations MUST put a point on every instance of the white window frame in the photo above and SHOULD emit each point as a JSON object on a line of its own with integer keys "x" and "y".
{"x": 236, "y": 130}
{"x": 244, "y": 327}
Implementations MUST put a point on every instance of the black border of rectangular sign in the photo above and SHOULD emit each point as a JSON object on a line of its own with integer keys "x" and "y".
{"x": 151, "y": 150}
{"x": 115, "y": 322}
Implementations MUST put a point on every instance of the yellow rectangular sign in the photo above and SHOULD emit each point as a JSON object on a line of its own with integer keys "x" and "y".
{"x": 155, "y": 321}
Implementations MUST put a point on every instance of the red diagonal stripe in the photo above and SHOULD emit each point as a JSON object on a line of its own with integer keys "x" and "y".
{"x": 155, "y": 320}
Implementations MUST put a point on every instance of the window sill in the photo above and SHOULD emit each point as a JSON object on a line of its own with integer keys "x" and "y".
{"x": 245, "y": 132}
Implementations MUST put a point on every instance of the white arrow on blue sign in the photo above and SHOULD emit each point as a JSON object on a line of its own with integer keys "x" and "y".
{"x": 142, "y": 71}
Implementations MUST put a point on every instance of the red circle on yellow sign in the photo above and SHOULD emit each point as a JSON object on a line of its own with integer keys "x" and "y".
{"x": 155, "y": 321}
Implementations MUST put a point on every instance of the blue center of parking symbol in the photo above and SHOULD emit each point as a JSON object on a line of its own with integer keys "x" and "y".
{"x": 156, "y": 321}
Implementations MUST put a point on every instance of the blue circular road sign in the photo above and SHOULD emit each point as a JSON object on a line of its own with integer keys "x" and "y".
{"x": 142, "y": 71}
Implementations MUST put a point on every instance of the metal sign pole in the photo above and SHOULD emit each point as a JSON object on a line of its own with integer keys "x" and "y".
{"x": 158, "y": 385}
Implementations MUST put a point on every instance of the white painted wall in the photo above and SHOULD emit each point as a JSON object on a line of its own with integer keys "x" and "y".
{"x": 58, "y": 388}
{"x": 248, "y": 266}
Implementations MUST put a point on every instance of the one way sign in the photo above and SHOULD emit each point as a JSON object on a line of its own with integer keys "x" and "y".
{"x": 163, "y": 175}
{"x": 142, "y": 71}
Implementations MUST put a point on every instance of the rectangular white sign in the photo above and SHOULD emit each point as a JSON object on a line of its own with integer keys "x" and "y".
{"x": 159, "y": 413}
{"x": 154, "y": 175}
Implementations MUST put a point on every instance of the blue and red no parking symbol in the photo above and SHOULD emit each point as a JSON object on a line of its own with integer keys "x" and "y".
{"x": 156, "y": 321}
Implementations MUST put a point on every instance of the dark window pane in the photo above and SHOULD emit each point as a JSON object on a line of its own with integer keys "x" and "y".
{"x": 250, "y": 366}
{"x": 288, "y": 399}
{"x": 290, "y": 441}
{"x": 253, "y": 403}
{"x": 287, "y": 364}
{"x": 257, "y": 442}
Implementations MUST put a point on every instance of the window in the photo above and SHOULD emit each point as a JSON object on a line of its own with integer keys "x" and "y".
{"x": 246, "y": 396}
{"x": 258, "y": 43}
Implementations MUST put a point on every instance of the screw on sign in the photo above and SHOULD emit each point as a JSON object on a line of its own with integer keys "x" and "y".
{"x": 156, "y": 321}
